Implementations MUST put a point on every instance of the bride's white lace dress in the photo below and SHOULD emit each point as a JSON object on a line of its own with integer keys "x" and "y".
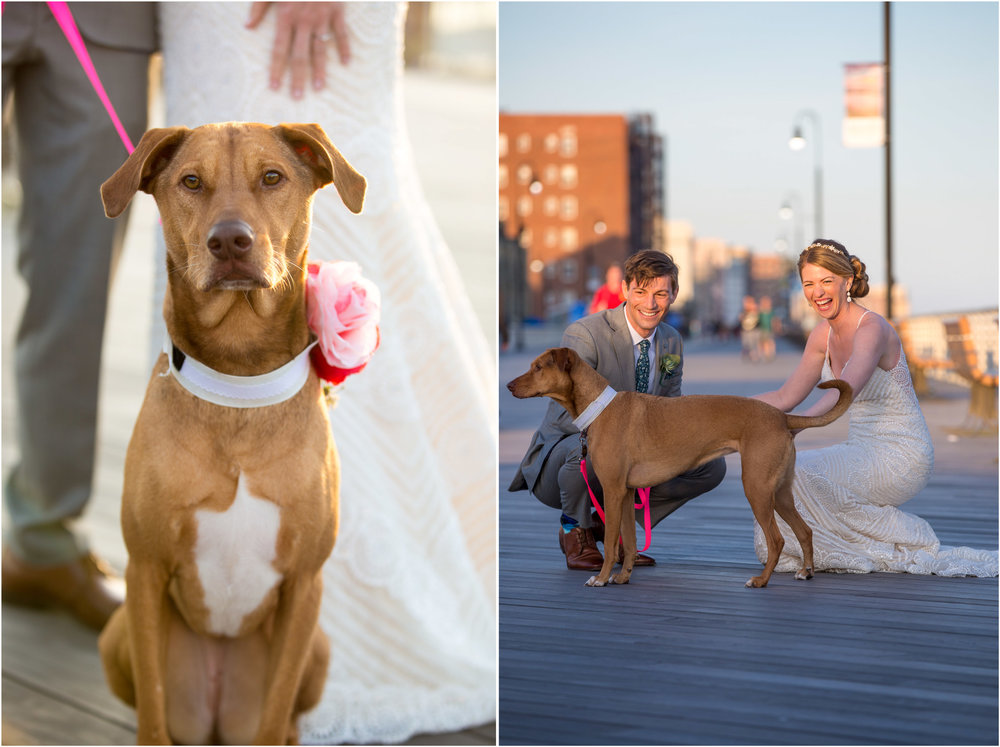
{"x": 849, "y": 493}
{"x": 409, "y": 592}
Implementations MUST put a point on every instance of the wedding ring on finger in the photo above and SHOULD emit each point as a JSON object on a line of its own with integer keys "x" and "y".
{"x": 324, "y": 38}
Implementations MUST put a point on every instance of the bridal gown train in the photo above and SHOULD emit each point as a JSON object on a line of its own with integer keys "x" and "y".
{"x": 849, "y": 493}
{"x": 409, "y": 592}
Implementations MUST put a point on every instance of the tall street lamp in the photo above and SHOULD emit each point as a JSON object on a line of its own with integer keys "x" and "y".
{"x": 798, "y": 142}
{"x": 887, "y": 43}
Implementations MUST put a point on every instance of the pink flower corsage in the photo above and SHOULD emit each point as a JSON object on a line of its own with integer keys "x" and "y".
{"x": 343, "y": 310}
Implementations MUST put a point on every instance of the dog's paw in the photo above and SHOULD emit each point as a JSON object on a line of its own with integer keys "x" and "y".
{"x": 593, "y": 581}
{"x": 756, "y": 582}
{"x": 620, "y": 578}
{"x": 804, "y": 574}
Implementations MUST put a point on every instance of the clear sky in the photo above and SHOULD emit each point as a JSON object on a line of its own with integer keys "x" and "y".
{"x": 727, "y": 81}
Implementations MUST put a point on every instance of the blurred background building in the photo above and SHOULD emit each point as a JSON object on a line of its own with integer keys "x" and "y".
{"x": 579, "y": 192}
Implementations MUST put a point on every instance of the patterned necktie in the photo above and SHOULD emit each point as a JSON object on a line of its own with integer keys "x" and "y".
{"x": 642, "y": 367}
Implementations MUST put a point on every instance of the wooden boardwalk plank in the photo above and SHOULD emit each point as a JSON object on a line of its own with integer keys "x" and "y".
{"x": 685, "y": 655}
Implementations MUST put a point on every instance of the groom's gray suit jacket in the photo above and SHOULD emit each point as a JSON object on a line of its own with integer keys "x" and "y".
{"x": 603, "y": 341}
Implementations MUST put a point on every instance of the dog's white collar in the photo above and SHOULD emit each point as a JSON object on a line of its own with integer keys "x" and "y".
{"x": 238, "y": 391}
{"x": 595, "y": 408}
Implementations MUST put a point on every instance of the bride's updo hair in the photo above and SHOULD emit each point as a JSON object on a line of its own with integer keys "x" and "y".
{"x": 834, "y": 257}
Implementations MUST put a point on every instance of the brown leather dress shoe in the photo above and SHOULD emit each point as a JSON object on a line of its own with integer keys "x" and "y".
{"x": 87, "y": 588}
{"x": 580, "y": 550}
{"x": 598, "y": 530}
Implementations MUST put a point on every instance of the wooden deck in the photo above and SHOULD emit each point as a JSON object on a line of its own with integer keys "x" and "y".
{"x": 684, "y": 654}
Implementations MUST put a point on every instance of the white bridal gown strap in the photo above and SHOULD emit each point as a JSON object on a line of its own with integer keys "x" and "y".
{"x": 849, "y": 493}
{"x": 409, "y": 592}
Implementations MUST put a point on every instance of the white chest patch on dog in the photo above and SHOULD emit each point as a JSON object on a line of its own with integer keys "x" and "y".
{"x": 234, "y": 554}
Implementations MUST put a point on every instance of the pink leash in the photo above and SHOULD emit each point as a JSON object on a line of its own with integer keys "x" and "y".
{"x": 643, "y": 504}
{"x": 65, "y": 20}
{"x": 64, "y": 17}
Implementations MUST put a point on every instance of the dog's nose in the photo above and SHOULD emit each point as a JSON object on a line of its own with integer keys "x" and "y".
{"x": 230, "y": 239}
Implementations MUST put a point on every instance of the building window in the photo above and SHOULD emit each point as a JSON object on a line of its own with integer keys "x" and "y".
{"x": 567, "y": 143}
{"x": 568, "y": 176}
{"x": 568, "y": 270}
{"x": 569, "y": 239}
{"x": 568, "y": 208}
{"x": 551, "y": 205}
{"x": 524, "y": 173}
{"x": 550, "y": 300}
{"x": 523, "y": 142}
{"x": 502, "y": 145}
{"x": 503, "y": 208}
{"x": 551, "y": 237}
{"x": 524, "y": 206}
{"x": 551, "y": 142}
{"x": 551, "y": 173}
{"x": 550, "y": 270}
{"x": 504, "y": 176}
{"x": 526, "y": 238}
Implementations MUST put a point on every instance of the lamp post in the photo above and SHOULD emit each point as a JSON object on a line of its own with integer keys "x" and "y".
{"x": 887, "y": 43}
{"x": 798, "y": 142}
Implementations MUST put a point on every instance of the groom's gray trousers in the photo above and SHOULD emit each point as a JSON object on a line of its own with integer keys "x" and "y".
{"x": 66, "y": 146}
{"x": 561, "y": 485}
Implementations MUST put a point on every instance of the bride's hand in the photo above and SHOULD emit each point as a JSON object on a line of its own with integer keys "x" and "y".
{"x": 303, "y": 31}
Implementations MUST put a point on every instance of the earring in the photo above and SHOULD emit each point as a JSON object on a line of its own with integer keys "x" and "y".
{"x": 848, "y": 295}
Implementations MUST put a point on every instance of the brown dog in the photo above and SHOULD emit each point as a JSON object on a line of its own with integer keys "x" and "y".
{"x": 640, "y": 440}
{"x": 229, "y": 512}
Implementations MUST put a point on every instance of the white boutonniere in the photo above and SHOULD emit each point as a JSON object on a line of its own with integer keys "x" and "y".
{"x": 668, "y": 366}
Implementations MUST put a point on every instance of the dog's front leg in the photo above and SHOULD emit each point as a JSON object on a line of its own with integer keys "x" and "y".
{"x": 628, "y": 539}
{"x": 295, "y": 621}
{"x": 145, "y": 604}
{"x": 614, "y": 499}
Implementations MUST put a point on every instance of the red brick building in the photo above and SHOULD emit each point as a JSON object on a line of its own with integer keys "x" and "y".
{"x": 570, "y": 187}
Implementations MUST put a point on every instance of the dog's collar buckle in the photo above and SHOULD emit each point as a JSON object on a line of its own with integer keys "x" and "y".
{"x": 595, "y": 408}
{"x": 238, "y": 391}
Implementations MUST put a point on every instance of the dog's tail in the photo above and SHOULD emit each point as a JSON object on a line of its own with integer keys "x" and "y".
{"x": 795, "y": 422}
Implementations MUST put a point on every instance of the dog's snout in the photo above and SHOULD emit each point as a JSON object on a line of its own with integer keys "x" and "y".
{"x": 230, "y": 239}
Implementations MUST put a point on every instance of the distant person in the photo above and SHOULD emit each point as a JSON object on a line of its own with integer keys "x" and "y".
{"x": 849, "y": 493}
{"x": 67, "y": 252}
{"x": 653, "y": 363}
{"x": 609, "y": 295}
{"x": 767, "y": 323}
{"x": 749, "y": 329}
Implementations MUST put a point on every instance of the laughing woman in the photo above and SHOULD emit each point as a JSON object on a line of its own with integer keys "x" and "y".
{"x": 849, "y": 493}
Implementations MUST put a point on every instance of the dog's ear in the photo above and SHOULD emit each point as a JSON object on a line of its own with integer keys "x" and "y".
{"x": 567, "y": 358}
{"x": 311, "y": 144}
{"x": 561, "y": 358}
{"x": 147, "y": 160}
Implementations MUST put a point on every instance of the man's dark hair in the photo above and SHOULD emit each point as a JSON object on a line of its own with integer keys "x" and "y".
{"x": 648, "y": 265}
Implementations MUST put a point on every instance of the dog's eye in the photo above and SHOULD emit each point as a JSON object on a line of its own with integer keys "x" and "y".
{"x": 191, "y": 182}
{"x": 271, "y": 178}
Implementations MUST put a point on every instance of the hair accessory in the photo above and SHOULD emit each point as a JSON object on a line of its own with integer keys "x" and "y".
{"x": 831, "y": 247}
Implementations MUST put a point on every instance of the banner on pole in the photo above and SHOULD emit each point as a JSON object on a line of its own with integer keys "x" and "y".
{"x": 864, "y": 102}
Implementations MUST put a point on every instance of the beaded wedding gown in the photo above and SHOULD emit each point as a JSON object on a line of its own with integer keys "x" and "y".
{"x": 848, "y": 493}
{"x": 410, "y": 590}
